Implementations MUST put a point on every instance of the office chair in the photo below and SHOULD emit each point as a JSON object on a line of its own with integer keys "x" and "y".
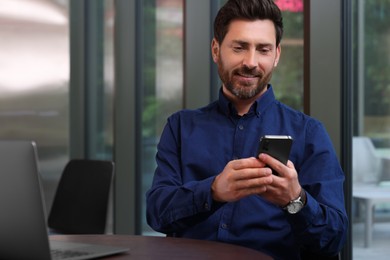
{"x": 80, "y": 203}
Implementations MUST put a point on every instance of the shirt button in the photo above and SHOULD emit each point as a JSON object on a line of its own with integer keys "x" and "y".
{"x": 206, "y": 206}
{"x": 241, "y": 127}
{"x": 224, "y": 226}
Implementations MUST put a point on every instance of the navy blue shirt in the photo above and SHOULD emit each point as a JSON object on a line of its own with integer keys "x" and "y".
{"x": 196, "y": 145}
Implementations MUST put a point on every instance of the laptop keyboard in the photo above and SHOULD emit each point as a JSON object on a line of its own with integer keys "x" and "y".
{"x": 66, "y": 254}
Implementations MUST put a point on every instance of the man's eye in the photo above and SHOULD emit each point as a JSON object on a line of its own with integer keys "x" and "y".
{"x": 237, "y": 48}
{"x": 265, "y": 50}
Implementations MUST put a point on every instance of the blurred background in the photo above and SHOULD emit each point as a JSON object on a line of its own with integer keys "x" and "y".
{"x": 97, "y": 79}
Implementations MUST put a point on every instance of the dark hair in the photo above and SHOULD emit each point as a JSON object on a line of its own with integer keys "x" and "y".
{"x": 248, "y": 10}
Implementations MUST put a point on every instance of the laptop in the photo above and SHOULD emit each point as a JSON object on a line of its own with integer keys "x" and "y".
{"x": 23, "y": 228}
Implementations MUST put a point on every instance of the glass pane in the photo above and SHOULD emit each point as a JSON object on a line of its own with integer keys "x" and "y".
{"x": 107, "y": 135}
{"x": 371, "y": 129}
{"x": 162, "y": 75}
{"x": 288, "y": 76}
{"x": 34, "y": 65}
{"x": 108, "y": 88}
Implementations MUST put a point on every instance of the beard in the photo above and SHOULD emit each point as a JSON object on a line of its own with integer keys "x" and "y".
{"x": 240, "y": 88}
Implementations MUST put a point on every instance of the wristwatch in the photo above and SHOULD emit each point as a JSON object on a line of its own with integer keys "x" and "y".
{"x": 296, "y": 205}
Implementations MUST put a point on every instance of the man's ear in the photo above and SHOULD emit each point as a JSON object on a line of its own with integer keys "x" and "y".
{"x": 278, "y": 52}
{"x": 215, "y": 50}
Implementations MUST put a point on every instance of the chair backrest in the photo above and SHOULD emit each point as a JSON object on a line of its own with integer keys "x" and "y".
{"x": 366, "y": 165}
{"x": 80, "y": 203}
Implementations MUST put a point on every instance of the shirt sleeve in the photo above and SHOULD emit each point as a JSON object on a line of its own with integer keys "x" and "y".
{"x": 171, "y": 204}
{"x": 322, "y": 224}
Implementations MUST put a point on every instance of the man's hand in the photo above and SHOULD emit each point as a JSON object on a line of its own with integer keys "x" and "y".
{"x": 284, "y": 187}
{"x": 241, "y": 178}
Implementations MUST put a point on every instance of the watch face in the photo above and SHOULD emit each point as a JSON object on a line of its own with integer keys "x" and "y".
{"x": 294, "y": 207}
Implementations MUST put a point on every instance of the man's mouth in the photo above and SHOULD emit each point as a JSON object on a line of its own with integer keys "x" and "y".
{"x": 246, "y": 80}
{"x": 247, "y": 75}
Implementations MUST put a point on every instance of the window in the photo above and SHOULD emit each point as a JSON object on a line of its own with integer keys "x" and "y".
{"x": 162, "y": 78}
{"x": 371, "y": 123}
{"x": 288, "y": 76}
{"x": 34, "y": 80}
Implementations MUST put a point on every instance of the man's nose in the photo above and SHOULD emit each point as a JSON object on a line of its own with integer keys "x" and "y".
{"x": 250, "y": 59}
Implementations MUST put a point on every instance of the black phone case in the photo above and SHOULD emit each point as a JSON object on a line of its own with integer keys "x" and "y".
{"x": 276, "y": 146}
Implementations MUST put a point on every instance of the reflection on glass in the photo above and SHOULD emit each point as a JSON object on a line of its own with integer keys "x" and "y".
{"x": 108, "y": 88}
{"x": 371, "y": 127}
{"x": 34, "y": 65}
{"x": 107, "y": 137}
{"x": 162, "y": 77}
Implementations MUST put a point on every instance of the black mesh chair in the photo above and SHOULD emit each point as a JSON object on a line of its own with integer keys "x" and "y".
{"x": 80, "y": 203}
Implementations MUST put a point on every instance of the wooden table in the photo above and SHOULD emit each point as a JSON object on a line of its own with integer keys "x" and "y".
{"x": 151, "y": 247}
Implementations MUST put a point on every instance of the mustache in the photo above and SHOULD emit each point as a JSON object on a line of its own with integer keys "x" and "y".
{"x": 248, "y": 72}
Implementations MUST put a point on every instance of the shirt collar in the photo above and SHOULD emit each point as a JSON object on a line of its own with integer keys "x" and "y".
{"x": 259, "y": 105}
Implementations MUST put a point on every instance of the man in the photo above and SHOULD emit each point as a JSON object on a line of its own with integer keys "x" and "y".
{"x": 211, "y": 184}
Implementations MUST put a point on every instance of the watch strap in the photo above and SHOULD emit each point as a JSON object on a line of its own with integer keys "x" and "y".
{"x": 303, "y": 196}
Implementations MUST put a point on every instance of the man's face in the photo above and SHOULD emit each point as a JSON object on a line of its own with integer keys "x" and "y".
{"x": 246, "y": 57}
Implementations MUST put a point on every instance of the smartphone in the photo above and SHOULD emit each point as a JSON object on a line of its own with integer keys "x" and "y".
{"x": 277, "y": 146}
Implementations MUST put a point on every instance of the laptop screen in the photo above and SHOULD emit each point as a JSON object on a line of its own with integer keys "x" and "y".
{"x": 23, "y": 230}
